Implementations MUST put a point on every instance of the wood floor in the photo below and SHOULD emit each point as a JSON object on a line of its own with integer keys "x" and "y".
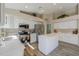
{"x": 64, "y": 49}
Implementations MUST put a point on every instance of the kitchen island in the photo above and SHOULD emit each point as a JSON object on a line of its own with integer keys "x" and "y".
{"x": 47, "y": 43}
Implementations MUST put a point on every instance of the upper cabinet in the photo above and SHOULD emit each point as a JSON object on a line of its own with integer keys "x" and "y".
{"x": 67, "y": 24}
{"x": 9, "y": 21}
{"x": 2, "y": 15}
{"x": 12, "y": 18}
{"x": 13, "y": 21}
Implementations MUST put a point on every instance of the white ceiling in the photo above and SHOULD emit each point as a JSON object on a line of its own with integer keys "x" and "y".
{"x": 44, "y": 8}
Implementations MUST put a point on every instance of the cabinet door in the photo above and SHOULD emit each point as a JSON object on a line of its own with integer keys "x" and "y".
{"x": 2, "y": 9}
{"x": 16, "y": 22}
{"x": 66, "y": 25}
{"x": 69, "y": 38}
{"x": 6, "y": 23}
{"x": 9, "y": 21}
{"x": 33, "y": 37}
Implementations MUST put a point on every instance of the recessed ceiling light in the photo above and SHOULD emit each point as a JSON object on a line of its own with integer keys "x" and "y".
{"x": 60, "y": 7}
{"x": 40, "y": 7}
{"x": 26, "y": 6}
{"x": 54, "y": 4}
{"x": 42, "y": 10}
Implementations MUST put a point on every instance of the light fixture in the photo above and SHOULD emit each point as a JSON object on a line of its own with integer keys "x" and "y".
{"x": 42, "y": 10}
{"x": 54, "y": 4}
{"x": 60, "y": 7}
{"x": 26, "y": 6}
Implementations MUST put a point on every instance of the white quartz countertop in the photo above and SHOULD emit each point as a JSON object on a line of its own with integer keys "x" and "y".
{"x": 50, "y": 35}
{"x": 13, "y": 47}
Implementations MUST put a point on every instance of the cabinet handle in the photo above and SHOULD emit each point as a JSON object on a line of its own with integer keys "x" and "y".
{"x": 6, "y": 20}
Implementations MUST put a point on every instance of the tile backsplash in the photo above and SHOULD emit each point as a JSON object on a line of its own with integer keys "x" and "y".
{"x": 11, "y": 31}
{"x": 65, "y": 30}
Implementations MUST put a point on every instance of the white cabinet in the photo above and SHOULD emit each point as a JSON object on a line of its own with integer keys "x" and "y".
{"x": 9, "y": 21}
{"x": 33, "y": 37}
{"x": 47, "y": 43}
{"x": 2, "y": 6}
{"x": 69, "y": 38}
{"x": 19, "y": 20}
{"x": 66, "y": 24}
{"x": 13, "y": 21}
{"x": 16, "y": 22}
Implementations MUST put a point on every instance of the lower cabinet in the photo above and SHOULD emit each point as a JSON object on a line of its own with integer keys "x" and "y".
{"x": 69, "y": 38}
{"x": 33, "y": 37}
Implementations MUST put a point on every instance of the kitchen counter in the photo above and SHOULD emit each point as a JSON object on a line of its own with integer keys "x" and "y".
{"x": 69, "y": 38}
{"x": 47, "y": 43}
{"x": 50, "y": 35}
{"x": 12, "y": 47}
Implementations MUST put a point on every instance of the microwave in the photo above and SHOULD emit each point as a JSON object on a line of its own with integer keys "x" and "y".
{"x": 24, "y": 26}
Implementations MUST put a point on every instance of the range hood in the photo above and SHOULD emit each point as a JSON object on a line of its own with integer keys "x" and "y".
{"x": 2, "y": 15}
